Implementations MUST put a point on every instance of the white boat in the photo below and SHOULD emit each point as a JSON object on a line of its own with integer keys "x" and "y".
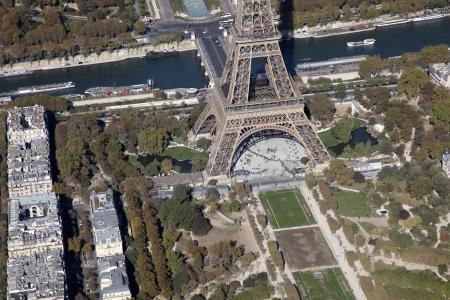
{"x": 393, "y": 22}
{"x": 428, "y": 18}
{"x": 45, "y": 88}
{"x": 366, "y": 42}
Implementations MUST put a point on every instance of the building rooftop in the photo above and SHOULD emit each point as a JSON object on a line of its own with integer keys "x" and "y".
{"x": 113, "y": 277}
{"x": 35, "y": 265}
{"x": 38, "y": 276}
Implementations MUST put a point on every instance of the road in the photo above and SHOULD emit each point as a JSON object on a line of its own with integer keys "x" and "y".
{"x": 170, "y": 26}
{"x": 166, "y": 10}
{"x": 227, "y": 6}
{"x": 212, "y": 46}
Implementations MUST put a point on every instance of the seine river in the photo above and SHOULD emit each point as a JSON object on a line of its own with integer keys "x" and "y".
{"x": 184, "y": 70}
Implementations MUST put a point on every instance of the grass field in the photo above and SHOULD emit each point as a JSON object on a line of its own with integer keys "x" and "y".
{"x": 286, "y": 208}
{"x": 181, "y": 153}
{"x": 352, "y": 204}
{"x": 329, "y": 140}
{"x": 331, "y": 287}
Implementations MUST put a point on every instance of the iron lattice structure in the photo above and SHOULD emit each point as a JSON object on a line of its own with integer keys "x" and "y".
{"x": 240, "y": 107}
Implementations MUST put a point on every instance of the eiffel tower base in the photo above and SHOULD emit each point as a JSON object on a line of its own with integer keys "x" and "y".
{"x": 233, "y": 133}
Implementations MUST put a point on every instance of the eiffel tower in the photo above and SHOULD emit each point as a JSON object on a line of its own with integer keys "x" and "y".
{"x": 243, "y": 109}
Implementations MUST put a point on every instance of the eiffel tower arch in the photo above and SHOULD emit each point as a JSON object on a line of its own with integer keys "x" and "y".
{"x": 241, "y": 106}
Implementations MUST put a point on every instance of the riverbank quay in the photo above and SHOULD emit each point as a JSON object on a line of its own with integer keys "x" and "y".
{"x": 341, "y": 28}
{"x": 104, "y": 57}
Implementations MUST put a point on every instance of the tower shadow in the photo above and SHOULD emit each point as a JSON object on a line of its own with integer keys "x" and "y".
{"x": 286, "y": 27}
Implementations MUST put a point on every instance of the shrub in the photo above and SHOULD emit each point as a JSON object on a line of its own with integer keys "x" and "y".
{"x": 277, "y": 257}
{"x": 262, "y": 220}
{"x": 200, "y": 225}
{"x": 351, "y": 257}
{"x": 333, "y": 223}
{"x": 291, "y": 291}
{"x": 310, "y": 180}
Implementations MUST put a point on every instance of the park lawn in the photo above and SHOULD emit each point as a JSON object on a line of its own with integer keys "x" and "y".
{"x": 400, "y": 283}
{"x": 331, "y": 286}
{"x": 133, "y": 159}
{"x": 181, "y": 153}
{"x": 352, "y": 204}
{"x": 286, "y": 209}
{"x": 329, "y": 140}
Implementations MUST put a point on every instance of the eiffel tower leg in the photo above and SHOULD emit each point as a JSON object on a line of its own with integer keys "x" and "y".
{"x": 219, "y": 161}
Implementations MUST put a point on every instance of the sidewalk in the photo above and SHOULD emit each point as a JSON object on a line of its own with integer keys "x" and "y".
{"x": 93, "y": 59}
{"x": 334, "y": 242}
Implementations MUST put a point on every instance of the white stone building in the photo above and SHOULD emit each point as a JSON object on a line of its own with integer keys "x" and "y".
{"x": 439, "y": 74}
{"x": 35, "y": 265}
{"x": 113, "y": 278}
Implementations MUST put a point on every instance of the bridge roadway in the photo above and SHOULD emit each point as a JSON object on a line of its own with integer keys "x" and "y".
{"x": 212, "y": 50}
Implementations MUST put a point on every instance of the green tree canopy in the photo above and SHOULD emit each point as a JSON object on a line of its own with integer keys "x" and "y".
{"x": 441, "y": 108}
{"x": 412, "y": 81}
{"x": 370, "y": 67}
{"x": 322, "y": 108}
{"x": 152, "y": 141}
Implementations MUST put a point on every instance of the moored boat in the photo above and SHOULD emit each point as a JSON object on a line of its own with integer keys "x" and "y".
{"x": 366, "y": 42}
{"x": 428, "y": 18}
{"x": 393, "y": 22}
{"x": 45, "y": 88}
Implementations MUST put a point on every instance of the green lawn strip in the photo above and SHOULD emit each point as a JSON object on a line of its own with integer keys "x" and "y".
{"x": 351, "y": 204}
{"x": 181, "y": 153}
{"x": 269, "y": 212}
{"x": 358, "y": 123}
{"x": 328, "y": 139}
{"x": 332, "y": 286}
{"x": 285, "y": 208}
{"x": 305, "y": 208}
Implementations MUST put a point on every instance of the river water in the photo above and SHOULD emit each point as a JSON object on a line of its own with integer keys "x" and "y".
{"x": 184, "y": 70}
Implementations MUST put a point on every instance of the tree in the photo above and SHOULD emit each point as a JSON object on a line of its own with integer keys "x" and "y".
{"x": 140, "y": 27}
{"x": 322, "y": 108}
{"x": 370, "y": 67}
{"x": 200, "y": 225}
{"x": 203, "y": 143}
{"x": 224, "y": 254}
{"x": 342, "y": 129}
{"x": 310, "y": 180}
{"x": 442, "y": 269}
{"x": 340, "y": 92}
{"x": 440, "y": 114}
{"x": 158, "y": 254}
{"x": 401, "y": 240}
{"x": 386, "y": 146}
{"x": 412, "y": 81}
{"x": 166, "y": 165}
{"x": 434, "y": 54}
{"x": 212, "y": 194}
{"x": 338, "y": 171}
{"x": 152, "y": 141}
